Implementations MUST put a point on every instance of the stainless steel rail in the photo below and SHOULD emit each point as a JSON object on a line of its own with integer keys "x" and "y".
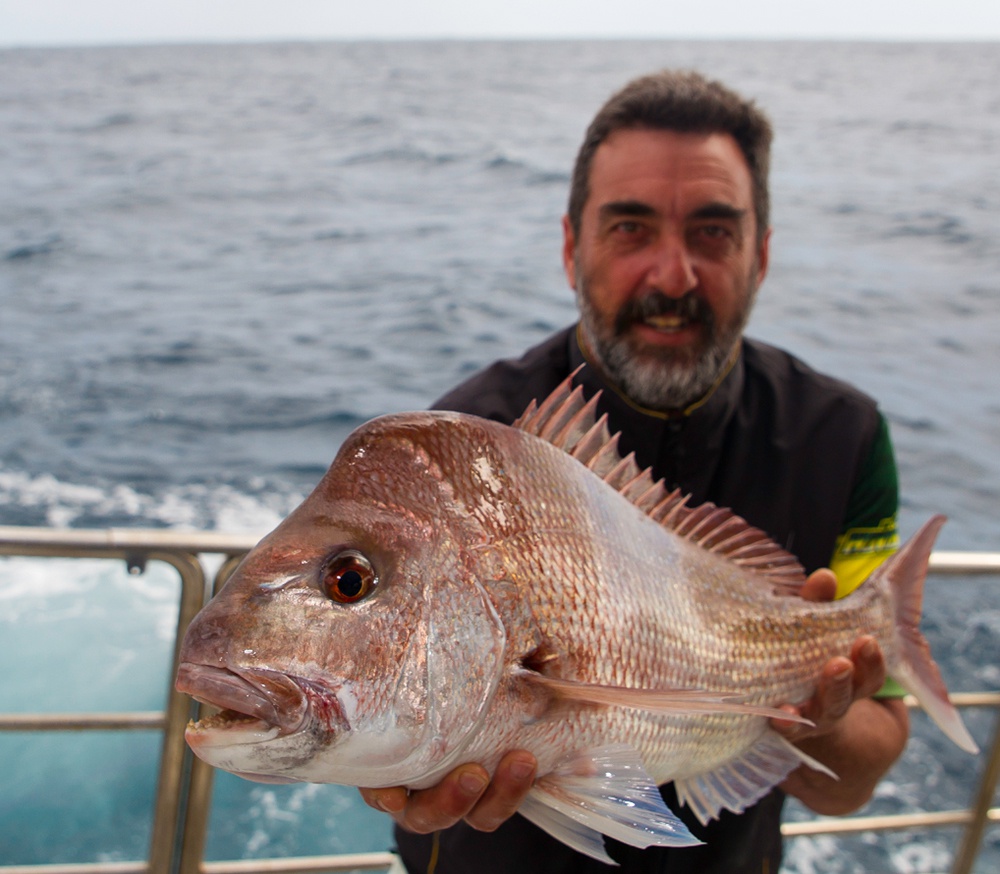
{"x": 180, "y": 815}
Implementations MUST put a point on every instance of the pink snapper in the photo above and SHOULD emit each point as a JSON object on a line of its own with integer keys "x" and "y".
{"x": 455, "y": 588}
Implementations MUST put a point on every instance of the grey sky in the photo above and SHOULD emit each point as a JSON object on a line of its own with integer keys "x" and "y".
{"x": 57, "y": 22}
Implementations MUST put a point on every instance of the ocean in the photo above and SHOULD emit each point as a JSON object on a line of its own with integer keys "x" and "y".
{"x": 217, "y": 260}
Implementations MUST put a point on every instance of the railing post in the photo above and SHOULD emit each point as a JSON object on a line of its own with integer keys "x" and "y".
{"x": 972, "y": 837}
{"x": 175, "y": 757}
{"x": 192, "y": 842}
{"x": 196, "y": 818}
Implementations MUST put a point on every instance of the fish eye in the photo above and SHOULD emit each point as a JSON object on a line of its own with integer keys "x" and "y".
{"x": 348, "y": 577}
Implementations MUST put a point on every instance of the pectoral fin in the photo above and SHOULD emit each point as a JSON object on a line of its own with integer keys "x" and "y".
{"x": 672, "y": 702}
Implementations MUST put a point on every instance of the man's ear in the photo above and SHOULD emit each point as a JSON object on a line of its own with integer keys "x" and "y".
{"x": 763, "y": 257}
{"x": 569, "y": 251}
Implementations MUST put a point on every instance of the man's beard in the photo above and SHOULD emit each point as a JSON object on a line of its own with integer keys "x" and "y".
{"x": 657, "y": 377}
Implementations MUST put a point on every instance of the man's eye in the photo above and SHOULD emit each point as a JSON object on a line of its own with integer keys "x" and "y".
{"x": 713, "y": 235}
{"x": 627, "y": 227}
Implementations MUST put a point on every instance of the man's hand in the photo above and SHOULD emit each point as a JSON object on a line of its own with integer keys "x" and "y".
{"x": 466, "y": 793}
{"x": 857, "y": 737}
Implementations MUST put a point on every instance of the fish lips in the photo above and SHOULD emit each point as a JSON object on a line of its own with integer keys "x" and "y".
{"x": 257, "y": 703}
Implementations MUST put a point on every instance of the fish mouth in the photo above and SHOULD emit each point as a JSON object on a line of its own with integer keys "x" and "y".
{"x": 255, "y": 704}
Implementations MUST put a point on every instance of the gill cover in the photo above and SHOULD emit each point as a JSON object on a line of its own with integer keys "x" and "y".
{"x": 436, "y": 707}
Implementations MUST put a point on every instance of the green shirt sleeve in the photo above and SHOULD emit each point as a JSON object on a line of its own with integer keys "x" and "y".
{"x": 870, "y": 533}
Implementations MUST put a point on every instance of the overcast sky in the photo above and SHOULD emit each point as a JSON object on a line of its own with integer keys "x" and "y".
{"x": 60, "y": 22}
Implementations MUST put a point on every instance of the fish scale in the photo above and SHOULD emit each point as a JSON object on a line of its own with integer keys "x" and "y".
{"x": 527, "y": 587}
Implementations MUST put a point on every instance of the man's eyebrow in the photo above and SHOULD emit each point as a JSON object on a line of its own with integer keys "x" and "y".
{"x": 719, "y": 210}
{"x": 615, "y": 208}
{"x": 714, "y": 210}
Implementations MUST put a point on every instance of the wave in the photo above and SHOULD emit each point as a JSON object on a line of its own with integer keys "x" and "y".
{"x": 951, "y": 229}
{"x": 24, "y": 251}
{"x": 399, "y": 155}
{"x": 44, "y": 500}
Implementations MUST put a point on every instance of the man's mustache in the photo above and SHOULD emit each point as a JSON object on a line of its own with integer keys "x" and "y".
{"x": 691, "y": 306}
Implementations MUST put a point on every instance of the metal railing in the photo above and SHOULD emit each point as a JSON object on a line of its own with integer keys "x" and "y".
{"x": 184, "y": 786}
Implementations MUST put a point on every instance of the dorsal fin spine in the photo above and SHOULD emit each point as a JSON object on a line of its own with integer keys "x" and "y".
{"x": 529, "y": 412}
{"x": 606, "y": 458}
{"x": 723, "y": 536}
{"x": 569, "y": 421}
{"x": 575, "y": 429}
{"x": 704, "y": 533}
{"x": 556, "y": 427}
{"x": 593, "y": 441}
{"x": 648, "y": 499}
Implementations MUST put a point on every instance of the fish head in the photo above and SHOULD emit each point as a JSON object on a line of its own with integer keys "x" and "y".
{"x": 355, "y": 644}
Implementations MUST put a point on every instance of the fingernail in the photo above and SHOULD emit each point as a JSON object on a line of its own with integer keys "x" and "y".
{"x": 384, "y": 805}
{"x": 472, "y": 783}
{"x": 521, "y": 770}
{"x": 869, "y": 650}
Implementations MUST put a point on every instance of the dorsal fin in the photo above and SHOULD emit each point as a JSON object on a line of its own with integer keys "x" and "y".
{"x": 570, "y": 422}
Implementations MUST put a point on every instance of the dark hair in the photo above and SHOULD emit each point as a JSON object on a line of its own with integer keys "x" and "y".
{"x": 686, "y": 102}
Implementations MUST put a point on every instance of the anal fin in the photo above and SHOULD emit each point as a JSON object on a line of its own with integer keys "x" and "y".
{"x": 743, "y": 782}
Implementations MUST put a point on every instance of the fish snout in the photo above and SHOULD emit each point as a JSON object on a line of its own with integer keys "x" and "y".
{"x": 208, "y": 639}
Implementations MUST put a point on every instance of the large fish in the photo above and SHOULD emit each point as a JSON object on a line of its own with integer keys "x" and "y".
{"x": 455, "y": 588}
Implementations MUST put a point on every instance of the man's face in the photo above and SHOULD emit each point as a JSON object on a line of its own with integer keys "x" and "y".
{"x": 666, "y": 263}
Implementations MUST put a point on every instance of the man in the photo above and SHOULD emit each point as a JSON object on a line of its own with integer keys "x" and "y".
{"x": 665, "y": 243}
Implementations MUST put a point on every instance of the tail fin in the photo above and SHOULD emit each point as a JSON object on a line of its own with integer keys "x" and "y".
{"x": 914, "y": 668}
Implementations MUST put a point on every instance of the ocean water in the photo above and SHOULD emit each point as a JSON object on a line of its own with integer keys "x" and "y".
{"x": 216, "y": 261}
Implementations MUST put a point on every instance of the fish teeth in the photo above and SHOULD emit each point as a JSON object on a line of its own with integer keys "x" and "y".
{"x": 230, "y": 727}
{"x": 225, "y": 719}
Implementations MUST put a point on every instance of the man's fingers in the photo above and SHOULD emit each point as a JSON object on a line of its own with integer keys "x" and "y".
{"x": 842, "y": 682}
{"x": 788, "y": 728}
{"x": 466, "y": 793}
{"x": 869, "y": 667}
{"x": 439, "y": 807}
{"x": 821, "y": 585}
{"x": 391, "y": 800}
{"x": 442, "y": 806}
{"x": 511, "y": 782}
{"x": 836, "y": 691}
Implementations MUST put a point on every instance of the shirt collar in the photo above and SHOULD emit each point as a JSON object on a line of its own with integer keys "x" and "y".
{"x": 706, "y": 418}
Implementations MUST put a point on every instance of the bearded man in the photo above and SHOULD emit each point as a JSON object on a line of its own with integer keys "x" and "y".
{"x": 666, "y": 241}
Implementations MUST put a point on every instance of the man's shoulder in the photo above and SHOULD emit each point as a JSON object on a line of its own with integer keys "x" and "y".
{"x": 788, "y": 376}
{"x": 502, "y": 390}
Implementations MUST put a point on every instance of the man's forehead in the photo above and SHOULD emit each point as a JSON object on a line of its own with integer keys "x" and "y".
{"x": 642, "y": 165}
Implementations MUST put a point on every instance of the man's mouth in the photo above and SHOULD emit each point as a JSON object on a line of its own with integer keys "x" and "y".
{"x": 666, "y": 315}
{"x": 667, "y": 323}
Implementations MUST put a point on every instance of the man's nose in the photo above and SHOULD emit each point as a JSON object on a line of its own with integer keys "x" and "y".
{"x": 672, "y": 270}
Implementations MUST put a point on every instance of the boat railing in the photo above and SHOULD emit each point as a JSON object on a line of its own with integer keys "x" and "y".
{"x": 184, "y": 787}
